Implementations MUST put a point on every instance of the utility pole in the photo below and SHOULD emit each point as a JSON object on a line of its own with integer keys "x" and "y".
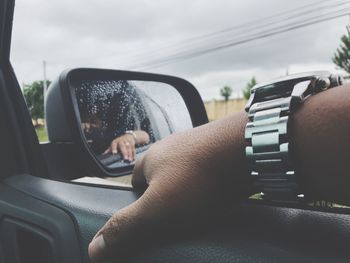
{"x": 45, "y": 81}
{"x": 45, "y": 88}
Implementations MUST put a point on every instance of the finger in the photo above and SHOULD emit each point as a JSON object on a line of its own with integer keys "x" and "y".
{"x": 116, "y": 236}
{"x": 109, "y": 150}
{"x": 123, "y": 150}
{"x": 133, "y": 153}
{"x": 148, "y": 218}
{"x": 129, "y": 149}
{"x": 114, "y": 147}
{"x": 138, "y": 180}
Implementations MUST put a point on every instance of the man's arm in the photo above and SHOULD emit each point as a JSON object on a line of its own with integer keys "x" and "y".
{"x": 204, "y": 170}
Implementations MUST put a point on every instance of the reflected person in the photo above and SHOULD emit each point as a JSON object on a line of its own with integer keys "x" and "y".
{"x": 114, "y": 119}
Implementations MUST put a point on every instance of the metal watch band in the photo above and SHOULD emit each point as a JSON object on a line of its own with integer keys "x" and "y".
{"x": 267, "y": 135}
{"x": 268, "y": 149}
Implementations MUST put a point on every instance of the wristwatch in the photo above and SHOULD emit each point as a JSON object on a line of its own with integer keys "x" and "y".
{"x": 133, "y": 135}
{"x": 267, "y": 132}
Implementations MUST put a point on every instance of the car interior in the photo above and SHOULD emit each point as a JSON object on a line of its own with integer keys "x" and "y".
{"x": 49, "y": 213}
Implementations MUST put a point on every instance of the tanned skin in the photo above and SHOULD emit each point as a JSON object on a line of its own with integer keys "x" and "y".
{"x": 205, "y": 169}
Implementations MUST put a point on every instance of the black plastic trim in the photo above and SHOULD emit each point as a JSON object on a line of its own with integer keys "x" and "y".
{"x": 25, "y": 143}
{"x": 42, "y": 219}
{"x": 6, "y": 16}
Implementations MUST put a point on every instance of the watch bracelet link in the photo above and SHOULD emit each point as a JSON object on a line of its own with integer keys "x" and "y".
{"x": 268, "y": 149}
{"x": 268, "y": 139}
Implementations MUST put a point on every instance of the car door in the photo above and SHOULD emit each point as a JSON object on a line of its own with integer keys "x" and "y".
{"x": 47, "y": 220}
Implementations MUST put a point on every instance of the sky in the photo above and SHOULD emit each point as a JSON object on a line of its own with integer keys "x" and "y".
{"x": 133, "y": 34}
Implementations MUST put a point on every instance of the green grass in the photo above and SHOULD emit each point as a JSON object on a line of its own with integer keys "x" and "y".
{"x": 42, "y": 134}
{"x": 314, "y": 204}
{"x": 256, "y": 196}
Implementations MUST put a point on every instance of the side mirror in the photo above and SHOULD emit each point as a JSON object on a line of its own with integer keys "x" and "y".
{"x": 111, "y": 115}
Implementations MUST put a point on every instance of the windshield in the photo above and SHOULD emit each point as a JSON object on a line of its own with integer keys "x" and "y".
{"x": 224, "y": 48}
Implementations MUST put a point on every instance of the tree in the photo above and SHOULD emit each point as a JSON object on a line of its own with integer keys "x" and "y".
{"x": 33, "y": 94}
{"x": 248, "y": 87}
{"x": 342, "y": 55}
{"x": 226, "y": 92}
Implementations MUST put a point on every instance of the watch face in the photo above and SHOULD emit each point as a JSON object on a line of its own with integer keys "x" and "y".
{"x": 283, "y": 81}
{"x": 281, "y": 87}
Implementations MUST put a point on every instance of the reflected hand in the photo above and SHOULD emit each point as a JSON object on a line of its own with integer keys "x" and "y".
{"x": 125, "y": 145}
{"x": 85, "y": 126}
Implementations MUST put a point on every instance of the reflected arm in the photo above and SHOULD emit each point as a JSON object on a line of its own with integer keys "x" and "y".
{"x": 141, "y": 137}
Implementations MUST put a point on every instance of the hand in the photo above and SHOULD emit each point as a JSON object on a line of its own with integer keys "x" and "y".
{"x": 125, "y": 145}
{"x": 185, "y": 186}
{"x": 201, "y": 182}
{"x": 85, "y": 126}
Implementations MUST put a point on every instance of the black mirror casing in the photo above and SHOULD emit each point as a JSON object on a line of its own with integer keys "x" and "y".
{"x": 63, "y": 118}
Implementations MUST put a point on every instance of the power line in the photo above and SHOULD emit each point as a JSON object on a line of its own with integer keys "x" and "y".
{"x": 235, "y": 42}
{"x": 170, "y": 60}
{"x": 237, "y": 39}
{"x": 254, "y": 25}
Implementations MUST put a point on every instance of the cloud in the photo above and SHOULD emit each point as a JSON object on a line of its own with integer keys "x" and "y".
{"x": 117, "y": 34}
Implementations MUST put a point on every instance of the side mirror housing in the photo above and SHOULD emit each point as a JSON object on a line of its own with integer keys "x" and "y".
{"x": 91, "y": 108}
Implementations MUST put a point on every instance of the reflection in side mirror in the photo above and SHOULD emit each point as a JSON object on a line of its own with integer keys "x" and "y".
{"x": 120, "y": 119}
{"x": 107, "y": 119}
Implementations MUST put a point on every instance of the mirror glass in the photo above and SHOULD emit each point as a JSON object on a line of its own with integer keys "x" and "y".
{"x": 120, "y": 119}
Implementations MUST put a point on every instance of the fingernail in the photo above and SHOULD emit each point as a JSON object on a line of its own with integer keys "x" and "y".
{"x": 97, "y": 248}
{"x": 114, "y": 152}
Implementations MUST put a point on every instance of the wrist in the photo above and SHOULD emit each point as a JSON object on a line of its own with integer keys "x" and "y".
{"x": 271, "y": 107}
{"x": 132, "y": 134}
{"x": 225, "y": 154}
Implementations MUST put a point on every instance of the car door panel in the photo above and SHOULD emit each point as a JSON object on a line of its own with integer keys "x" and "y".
{"x": 35, "y": 231}
{"x": 89, "y": 207}
{"x": 254, "y": 233}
